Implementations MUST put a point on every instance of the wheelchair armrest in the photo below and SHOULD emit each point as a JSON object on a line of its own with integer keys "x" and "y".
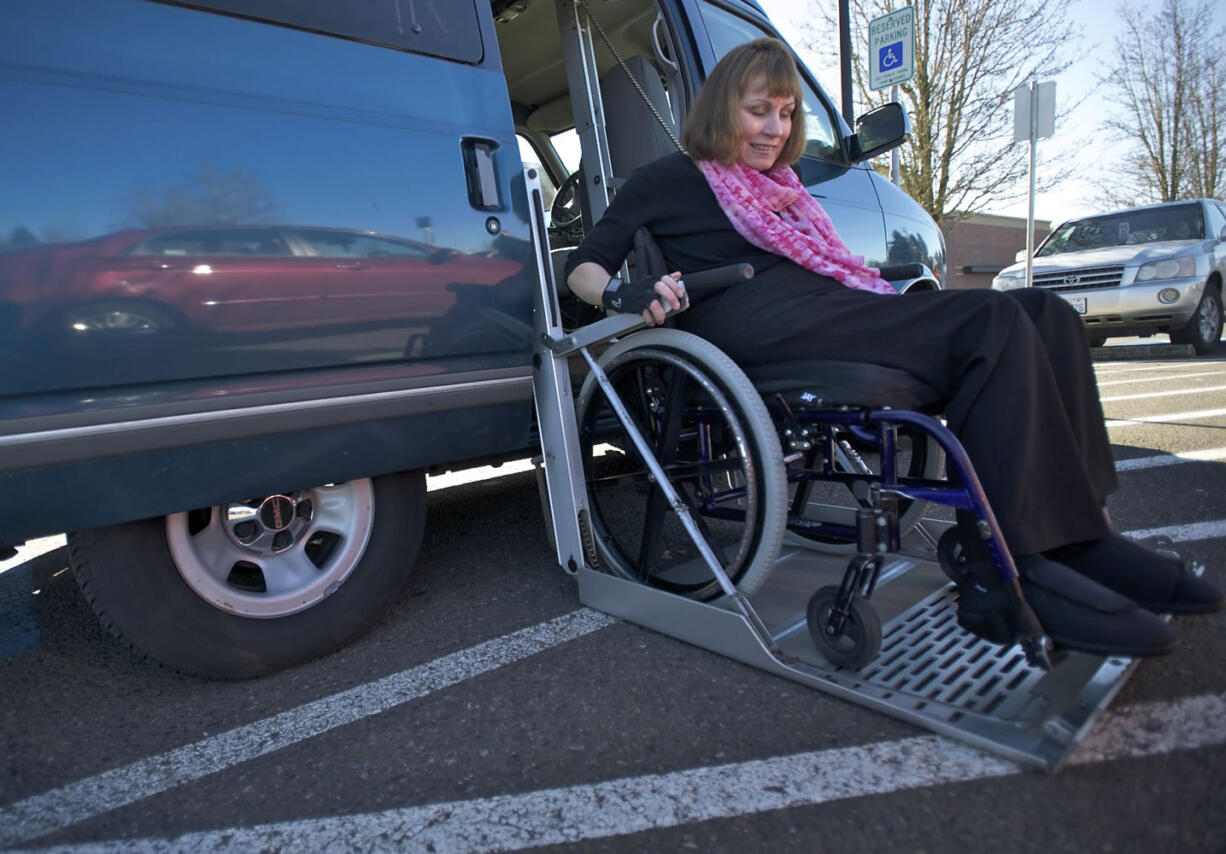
{"x": 906, "y": 277}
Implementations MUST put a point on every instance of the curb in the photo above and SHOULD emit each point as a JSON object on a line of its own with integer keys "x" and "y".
{"x": 1123, "y": 352}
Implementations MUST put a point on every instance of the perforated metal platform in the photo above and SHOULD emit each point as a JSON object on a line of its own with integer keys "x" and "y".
{"x": 929, "y": 672}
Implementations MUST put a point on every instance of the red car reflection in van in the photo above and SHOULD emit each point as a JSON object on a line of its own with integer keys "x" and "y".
{"x": 236, "y": 279}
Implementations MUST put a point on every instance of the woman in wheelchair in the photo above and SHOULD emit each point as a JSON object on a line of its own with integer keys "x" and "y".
{"x": 1012, "y": 368}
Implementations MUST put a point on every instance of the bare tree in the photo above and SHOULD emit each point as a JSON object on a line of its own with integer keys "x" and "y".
{"x": 1167, "y": 78}
{"x": 19, "y": 238}
{"x": 970, "y": 57}
{"x": 1206, "y": 172}
{"x": 209, "y": 196}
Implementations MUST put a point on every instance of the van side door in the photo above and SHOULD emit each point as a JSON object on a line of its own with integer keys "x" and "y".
{"x": 383, "y": 121}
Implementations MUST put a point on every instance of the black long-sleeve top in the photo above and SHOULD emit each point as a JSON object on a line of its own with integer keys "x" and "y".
{"x": 671, "y": 197}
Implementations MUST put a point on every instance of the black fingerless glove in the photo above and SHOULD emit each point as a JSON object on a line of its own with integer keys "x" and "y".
{"x": 630, "y": 297}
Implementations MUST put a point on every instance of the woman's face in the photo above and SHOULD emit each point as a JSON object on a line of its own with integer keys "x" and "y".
{"x": 766, "y": 123}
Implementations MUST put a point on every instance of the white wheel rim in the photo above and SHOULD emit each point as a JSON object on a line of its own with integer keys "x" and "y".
{"x": 301, "y": 547}
{"x": 1210, "y": 318}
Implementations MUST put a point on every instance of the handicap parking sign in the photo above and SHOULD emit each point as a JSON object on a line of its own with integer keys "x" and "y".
{"x": 891, "y": 46}
{"x": 889, "y": 57}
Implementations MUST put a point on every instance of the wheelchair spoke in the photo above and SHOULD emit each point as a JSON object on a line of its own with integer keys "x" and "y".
{"x": 666, "y": 452}
{"x": 698, "y": 434}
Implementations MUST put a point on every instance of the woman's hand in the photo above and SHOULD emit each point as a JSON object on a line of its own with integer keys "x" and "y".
{"x": 652, "y": 298}
{"x": 670, "y": 296}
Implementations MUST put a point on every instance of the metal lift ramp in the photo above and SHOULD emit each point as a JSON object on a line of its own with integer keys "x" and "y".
{"x": 929, "y": 672}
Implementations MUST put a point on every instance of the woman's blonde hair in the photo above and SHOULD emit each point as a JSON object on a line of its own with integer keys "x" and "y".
{"x": 712, "y": 130}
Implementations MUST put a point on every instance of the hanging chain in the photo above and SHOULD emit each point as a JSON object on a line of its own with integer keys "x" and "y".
{"x": 668, "y": 129}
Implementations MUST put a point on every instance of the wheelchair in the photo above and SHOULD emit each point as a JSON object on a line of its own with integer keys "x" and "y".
{"x": 863, "y": 459}
{"x": 677, "y": 489}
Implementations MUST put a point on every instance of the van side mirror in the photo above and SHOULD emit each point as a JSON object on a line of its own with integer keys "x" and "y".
{"x": 1020, "y": 256}
{"x": 879, "y": 130}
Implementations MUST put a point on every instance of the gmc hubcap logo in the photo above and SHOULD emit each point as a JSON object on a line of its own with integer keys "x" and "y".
{"x": 277, "y": 512}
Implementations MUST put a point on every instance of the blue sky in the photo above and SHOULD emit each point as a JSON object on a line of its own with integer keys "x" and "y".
{"x": 1080, "y": 134}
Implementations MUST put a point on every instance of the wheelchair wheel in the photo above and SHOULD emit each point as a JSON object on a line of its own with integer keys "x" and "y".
{"x": 949, "y": 555}
{"x": 859, "y": 641}
{"x": 714, "y": 439}
{"x": 919, "y": 456}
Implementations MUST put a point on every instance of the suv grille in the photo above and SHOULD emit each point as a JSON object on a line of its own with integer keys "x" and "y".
{"x": 1080, "y": 280}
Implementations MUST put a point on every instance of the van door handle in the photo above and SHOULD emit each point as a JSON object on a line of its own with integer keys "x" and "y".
{"x": 356, "y": 265}
{"x": 479, "y": 172}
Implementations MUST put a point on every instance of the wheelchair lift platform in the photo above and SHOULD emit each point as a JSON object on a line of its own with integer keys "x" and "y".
{"x": 930, "y": 672}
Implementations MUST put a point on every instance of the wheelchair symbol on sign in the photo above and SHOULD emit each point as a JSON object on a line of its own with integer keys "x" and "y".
{"x": 889, "y": 56}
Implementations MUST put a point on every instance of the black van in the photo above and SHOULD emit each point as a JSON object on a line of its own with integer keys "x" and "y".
{"x": 263, "y": 263}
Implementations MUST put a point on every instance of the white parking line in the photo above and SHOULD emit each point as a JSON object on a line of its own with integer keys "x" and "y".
{"x": 84, "y": 799}
{"x": 32, "y": 549}
{"x": 1195, "y": 415}
{"x": 655, "y": 801}
{"x": 1165, "y": 393}
{"x": 1210, "y": 530}
{"x": 1108, "y": 368}
{"x": 1161, "y": 379}
{"x": 449, "y": 479}
{"x": 1208, "y": 455}
{"x": 19, "y": 630}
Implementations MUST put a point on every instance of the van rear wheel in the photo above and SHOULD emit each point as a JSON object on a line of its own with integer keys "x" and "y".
{"x": 258, "y": 585}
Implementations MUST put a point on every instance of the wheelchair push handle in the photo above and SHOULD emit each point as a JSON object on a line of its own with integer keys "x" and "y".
{"x": 718, "y": 278}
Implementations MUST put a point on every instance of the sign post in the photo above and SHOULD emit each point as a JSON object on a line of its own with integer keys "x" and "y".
{"x": 1034, "y": 116}
{"x": 891, "y": 55}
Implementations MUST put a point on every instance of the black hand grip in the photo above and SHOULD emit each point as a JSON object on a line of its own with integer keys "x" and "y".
{"x": 717, "y": 278}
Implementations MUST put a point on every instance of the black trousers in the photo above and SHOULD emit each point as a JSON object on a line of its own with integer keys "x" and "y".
{"x": 1013, "y": 367}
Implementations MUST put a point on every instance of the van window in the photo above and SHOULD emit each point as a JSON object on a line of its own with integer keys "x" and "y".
{"x": 565, "y": 150}
{"x": 446, "y": 28}
{"x": 330, "y": 243}
{"x": 213, "y": 241}
{"x": 727, "y": 31}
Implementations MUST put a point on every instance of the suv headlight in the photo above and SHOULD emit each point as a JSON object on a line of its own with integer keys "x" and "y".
{"x": 1009, "y": 279}
{"x": 1171, "y": 268}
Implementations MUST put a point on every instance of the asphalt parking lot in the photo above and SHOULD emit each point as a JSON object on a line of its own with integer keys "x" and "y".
{"x": 489, "y": 710}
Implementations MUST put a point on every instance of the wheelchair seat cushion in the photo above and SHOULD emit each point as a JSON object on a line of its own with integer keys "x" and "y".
{"x": 814, "y": 383}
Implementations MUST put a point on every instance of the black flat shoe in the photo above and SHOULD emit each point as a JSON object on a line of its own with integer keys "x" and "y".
{"x": 1075, "y": 612}
{"x": 1078, "y": 613}
{"x": 1158, "y": 581}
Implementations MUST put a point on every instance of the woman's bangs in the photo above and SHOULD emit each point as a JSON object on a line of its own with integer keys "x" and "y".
{"x": 780, "y": 74}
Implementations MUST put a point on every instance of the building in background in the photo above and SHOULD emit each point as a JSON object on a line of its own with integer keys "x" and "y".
{"x": 981, "y": 245}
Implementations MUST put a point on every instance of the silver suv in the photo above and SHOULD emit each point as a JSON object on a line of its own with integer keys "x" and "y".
{"x": 1139, "y": 271}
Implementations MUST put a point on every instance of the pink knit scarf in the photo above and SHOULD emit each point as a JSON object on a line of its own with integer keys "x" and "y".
{"x": 774, "y": 211}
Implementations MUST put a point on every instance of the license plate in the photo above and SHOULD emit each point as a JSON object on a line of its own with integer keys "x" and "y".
{"x": 1078, "y": 303}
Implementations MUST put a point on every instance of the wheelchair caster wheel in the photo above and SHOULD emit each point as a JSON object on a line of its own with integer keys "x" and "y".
{"x": 860, "y": 639}
{"x": 950, "y": 556}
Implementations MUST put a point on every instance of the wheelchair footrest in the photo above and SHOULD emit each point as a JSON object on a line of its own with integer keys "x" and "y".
{"x": 930, "y": 672}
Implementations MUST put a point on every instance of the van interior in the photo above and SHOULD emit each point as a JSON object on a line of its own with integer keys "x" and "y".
{"x": 605, "y": 84}
{"x": 631, "y": 120}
